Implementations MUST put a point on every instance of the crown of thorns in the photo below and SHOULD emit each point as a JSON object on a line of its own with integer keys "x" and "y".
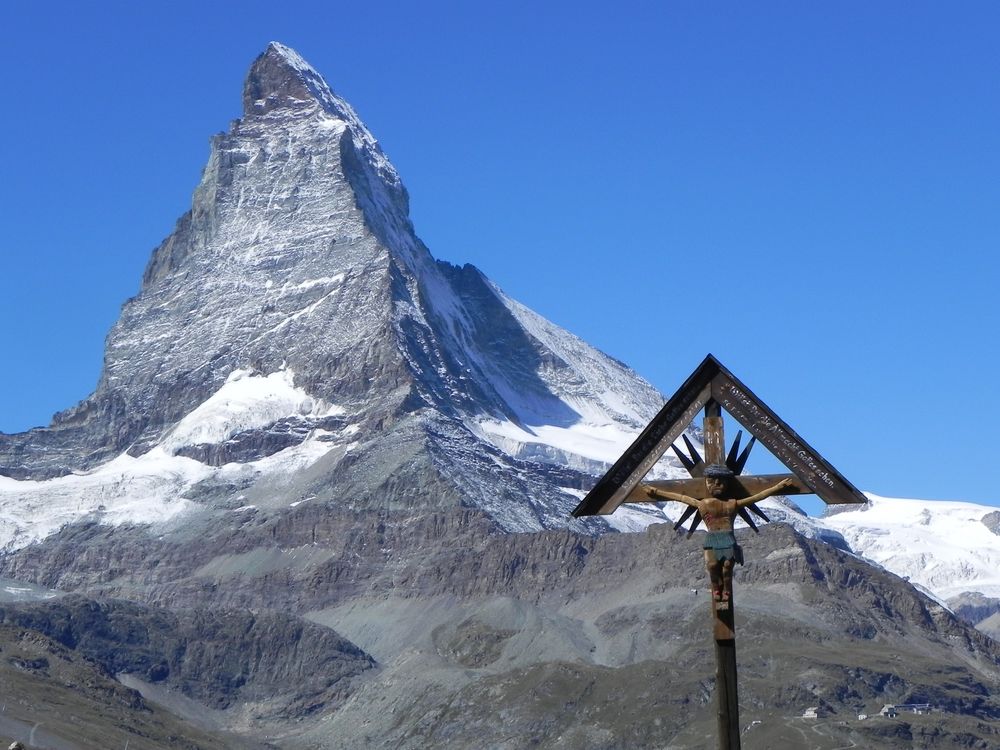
{"x": 718, "y": 471}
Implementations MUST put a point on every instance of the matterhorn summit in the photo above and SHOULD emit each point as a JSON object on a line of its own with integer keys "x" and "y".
{"x": 293, "y": 324}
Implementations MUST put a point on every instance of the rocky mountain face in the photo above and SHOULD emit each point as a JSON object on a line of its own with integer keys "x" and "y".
{"x": 486, "y": 638}
{"x": 298, "y": 262}
{"x": 279, "y": 663}
{"x": 320, "y": 498}
{"x": 58, "y": 698}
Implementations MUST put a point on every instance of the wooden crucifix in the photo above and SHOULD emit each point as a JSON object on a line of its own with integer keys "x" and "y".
{"x": 716, "y": 493}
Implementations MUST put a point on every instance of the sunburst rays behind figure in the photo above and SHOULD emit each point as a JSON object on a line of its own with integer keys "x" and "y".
{"x": 736, "y": 461}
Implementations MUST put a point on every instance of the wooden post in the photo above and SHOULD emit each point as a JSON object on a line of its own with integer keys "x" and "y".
{"x": 723, "y": 630}
{"x": 712, "y": 432}
{"x": 727, "y": 698}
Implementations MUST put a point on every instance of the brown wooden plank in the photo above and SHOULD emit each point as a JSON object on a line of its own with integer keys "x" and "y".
{"x": 741, "y": 487}
{"x": 723, "y": 620}
{"x": 811, "y": 468}
{"x": 750, "y": 485}
{"x": 726, "y": 693}
{"x": 713, "y": 433}
{"x": 694, "y": 487}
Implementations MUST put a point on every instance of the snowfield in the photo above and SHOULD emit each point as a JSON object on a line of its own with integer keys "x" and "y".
{"x": 245, "y": 402}
{"x": 151, "y": 488}
{"x": 943, "y": 546}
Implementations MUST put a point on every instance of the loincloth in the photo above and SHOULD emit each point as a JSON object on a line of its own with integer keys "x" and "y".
{"x": 723, "y": 544}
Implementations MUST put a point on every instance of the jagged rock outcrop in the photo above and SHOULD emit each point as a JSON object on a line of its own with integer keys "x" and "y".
{"x": 288, "y": 666}
{"x": 56, "y": 697}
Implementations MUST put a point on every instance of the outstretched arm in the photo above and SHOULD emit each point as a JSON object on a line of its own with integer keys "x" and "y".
{"x": 665, "y": 495}
{"x": 786, "y": 482}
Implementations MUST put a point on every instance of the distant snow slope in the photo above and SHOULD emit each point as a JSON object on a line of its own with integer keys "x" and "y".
{"x": 943, "y": 546}
{"x": 245, "y": 402}
{"x": 152, "y": 488}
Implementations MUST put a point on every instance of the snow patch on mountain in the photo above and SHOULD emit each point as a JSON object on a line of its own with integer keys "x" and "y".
{"x": 603, "y": 404}
{"x": 152, "y": 488}
{"x": 246, "y": 401}
{"x": 596, "y": 383}
{"x": 147, "y": 489}
{"x": 940, "y": 545}
{"x": 583, "y": 445}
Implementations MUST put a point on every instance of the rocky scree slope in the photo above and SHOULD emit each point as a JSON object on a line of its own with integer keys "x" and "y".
{"x": 280, "y": 665}
{"x": 57, "y": 698}
{"x": 552, "y": 634}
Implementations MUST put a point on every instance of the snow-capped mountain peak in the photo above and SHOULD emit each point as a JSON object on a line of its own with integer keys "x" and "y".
{"x": 281, "y": 81}
{"x": 292, "y": 332}
{"x": 294, "y": 312}
{"x": 281, "y": 78}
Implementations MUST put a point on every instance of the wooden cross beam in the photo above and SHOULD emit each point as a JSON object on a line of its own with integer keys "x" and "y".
{"x": 716, "y": 493}
{"x": 711, "y": 382}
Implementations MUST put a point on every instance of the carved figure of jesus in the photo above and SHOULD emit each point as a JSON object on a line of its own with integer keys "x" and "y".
{"x": 721, "y": 549}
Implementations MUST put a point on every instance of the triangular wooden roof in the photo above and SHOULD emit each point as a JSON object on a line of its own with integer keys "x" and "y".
{"x": 712, "y": 381}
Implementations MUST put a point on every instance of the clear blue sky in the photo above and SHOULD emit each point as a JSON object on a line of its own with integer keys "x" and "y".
{"x": 810, "y": 191}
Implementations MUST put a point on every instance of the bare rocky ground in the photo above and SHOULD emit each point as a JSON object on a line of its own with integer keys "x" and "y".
{"x": 486, "y": 639}
{"x": 55, "y": 697}
{"x": 981, "y": 611}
